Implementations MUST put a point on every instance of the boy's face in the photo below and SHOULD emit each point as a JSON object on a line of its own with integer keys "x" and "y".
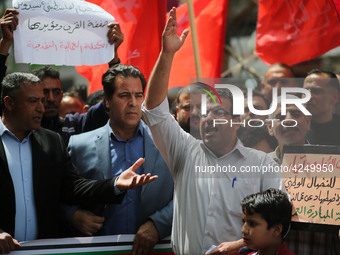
{"x": 255, "y": 233}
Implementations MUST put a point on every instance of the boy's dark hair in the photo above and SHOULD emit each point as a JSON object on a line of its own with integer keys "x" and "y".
{"x": 273, "y": 205}
{"x": 120, "y": 70}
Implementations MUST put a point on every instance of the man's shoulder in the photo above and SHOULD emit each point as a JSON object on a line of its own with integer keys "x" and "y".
{"x": 89, "y": 136}
{"x": 247, "y": 150}
{"x": 255, "y": 155}
{"x": 47, "y": 139}
{"x": 45, "y": 133}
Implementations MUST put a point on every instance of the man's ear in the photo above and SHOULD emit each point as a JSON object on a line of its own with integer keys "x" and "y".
{"x": 107, "y": 102}
{"x": 86, "y": 107}
{"x": 277, "y": 230}
{"x": 176, "y": 113}
{"x": 270, "y": 130}
{"x": 9, "y": 103}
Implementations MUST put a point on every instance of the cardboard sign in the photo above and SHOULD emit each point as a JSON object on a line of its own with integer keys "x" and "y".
{"x": 62, "y": 32}
{"x": 312, "y": 178}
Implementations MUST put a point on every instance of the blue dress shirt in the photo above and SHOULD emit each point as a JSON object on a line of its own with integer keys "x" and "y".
{"x": 121, "y": 218}
{"x": 19, "y": 159}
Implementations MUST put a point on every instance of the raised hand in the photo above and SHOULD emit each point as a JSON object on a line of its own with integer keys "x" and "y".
{"x": 115, "y": 35}
{"x": 171, "y": 41}
{"x": 8, "y": 24}
{"x": 130, "y": 180}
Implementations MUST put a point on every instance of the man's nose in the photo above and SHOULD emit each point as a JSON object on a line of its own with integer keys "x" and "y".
{"x": 49, "y": 96}
{"x": 41, "y": 107}
{"x": 195, "y": 110}
{"x": 244, "y": 229}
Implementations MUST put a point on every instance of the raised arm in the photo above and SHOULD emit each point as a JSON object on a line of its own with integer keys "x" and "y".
{"x": 8, "y": 24}
{"x": 158, "y": 83}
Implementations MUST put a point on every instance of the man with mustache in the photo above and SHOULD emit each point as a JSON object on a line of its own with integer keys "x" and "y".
{"x": 207, "y": 208}
{"x": 300, "y": 242}
{"x": 36, "y": 172}
{"x": 53, "y": 96}
{"x": 288, "y": 136}
{"x": 324, "y": 87}
{"x": 103, "y": 152}
{"x": 256, "y": 137}
{"x": 188, "y": 109}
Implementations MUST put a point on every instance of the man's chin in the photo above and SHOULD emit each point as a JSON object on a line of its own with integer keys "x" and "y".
{"x": 50, "y": 115}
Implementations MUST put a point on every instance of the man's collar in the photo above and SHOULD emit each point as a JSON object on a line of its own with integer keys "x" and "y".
{"x": 139, "y": 131}
{"x": 4, "y": 129}
{"x": 237, "y": 147}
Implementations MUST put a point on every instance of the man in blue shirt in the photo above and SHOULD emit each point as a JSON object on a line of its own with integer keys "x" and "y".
{"x": 105, "y": 152}
{"x": 36, "y": 172}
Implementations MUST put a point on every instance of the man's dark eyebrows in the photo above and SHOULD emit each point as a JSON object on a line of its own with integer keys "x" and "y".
{"x": 34, "y": 98}
{"x": 124, "y": 93}
{"x": 53, "y": 89}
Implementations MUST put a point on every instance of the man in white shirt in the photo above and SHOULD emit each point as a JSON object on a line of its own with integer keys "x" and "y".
{"x": 211, "y": 175}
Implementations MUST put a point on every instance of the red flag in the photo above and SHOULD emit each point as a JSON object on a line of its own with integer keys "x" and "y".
{"x": 142, "y": 22}
{"x": 293, "y": 31}
{"x": 210, "y": 20}
{"x": 337, "y": 6}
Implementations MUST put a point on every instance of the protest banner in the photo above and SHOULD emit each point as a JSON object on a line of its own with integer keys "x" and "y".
{"x": 312, "y": 178}
{"x": 99, "y": 245}
{"x": 61, "y": 32}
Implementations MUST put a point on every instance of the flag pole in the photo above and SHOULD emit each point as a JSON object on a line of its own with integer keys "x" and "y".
{"x": 194, "y": 38}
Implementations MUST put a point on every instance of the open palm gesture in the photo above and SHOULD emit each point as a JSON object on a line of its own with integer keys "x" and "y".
{"x": 171, "y": 41}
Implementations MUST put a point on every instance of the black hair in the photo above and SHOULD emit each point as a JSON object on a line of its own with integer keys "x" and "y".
{"x": 95, "y": 97}
{"x": 120, "y": 70}
{"x": 12, "y": 83}
{"x": 273, "y": 205}
{"x": 333, "y": 81}
{"x": 192, "y": 88}
{"x": 46, "y": 71}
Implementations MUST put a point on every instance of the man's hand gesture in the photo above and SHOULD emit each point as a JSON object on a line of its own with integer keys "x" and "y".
{"x": 130, "y": 180}
{"x": 171, "y": 41}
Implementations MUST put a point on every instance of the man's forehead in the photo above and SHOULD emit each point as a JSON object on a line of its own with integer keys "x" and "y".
{"x": 30, "y": 89}
{"x": 128, "y": 84}
{"x": 289, "y": 107}
{"x": 51, "y": 83}
{"x": 320, "y": 79}
{"x": 278, "y": 72}
{"x": 226, "y": 103}
{"x": 258, "y": 101}
{"x": 184, "y": 97}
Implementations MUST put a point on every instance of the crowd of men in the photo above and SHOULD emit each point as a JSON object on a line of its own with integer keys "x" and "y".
{"x": 126, "y": 165}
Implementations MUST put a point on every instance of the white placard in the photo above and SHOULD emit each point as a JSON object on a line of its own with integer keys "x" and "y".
{"x": 62, "y": 32}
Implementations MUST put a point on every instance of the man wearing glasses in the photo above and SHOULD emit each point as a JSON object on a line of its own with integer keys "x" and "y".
{"x": 210, "y": 174}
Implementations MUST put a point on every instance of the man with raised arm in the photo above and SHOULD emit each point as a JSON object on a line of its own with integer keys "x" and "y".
{"x": 207, "y": 208}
